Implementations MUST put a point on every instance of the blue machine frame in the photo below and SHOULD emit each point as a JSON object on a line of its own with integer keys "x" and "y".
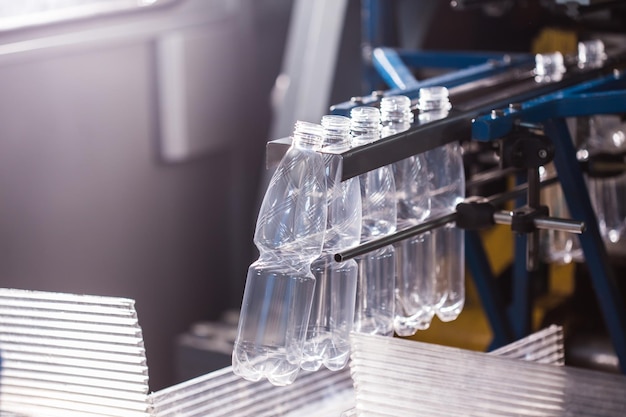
{"x": 604, "y": 95}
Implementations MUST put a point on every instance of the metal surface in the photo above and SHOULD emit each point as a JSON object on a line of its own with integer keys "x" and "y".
{"x": 562, "y": 225}
{"x": 428, "y": 225}
{"x": 604, "y": 94}
{"x": 488, "y": 290}
{"x": 413, "y": 379}
{"x": 607, "y": 292}
{"x": 397, "y": 64}
{"x": 518, "y": 86}
{"x": 580, "y": 100}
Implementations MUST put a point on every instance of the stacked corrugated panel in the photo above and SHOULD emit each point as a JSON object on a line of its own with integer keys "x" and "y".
{"x": 544, "y": 346}
{"x": 319, "y": 394}
{"x": 222, "y": 394}
{"x": 394, "y": 377}
{"x": 71, "y": 355}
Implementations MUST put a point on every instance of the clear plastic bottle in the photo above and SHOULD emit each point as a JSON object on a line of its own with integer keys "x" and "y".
{"x": 607, "y": 136}
{"x": 376, "y": 278}
{"x": 279, "y": 287}
{"x": 556, "y": 246}
{"x": 332, "y": 314}
{"x": 415, "y": 278}
{"x": 447, "y": 189}
{"x": 549, "y": 67}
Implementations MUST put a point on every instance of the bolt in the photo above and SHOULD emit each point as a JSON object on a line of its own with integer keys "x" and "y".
{"x": 542, "y": 153}
{"x": 515, "y": 106}
{"x": 378, "y": 93}
{"x": 497, "y": 113}
{"x": 356, "y": 99}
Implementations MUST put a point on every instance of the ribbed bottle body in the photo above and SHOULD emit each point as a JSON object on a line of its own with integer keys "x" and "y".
{"x": 332, "y": 315}
{"x": 279, "y": 286}
{"x": 375, "y": 304}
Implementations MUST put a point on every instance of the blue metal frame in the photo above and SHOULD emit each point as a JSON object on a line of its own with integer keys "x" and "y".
{"x": 392, "y": 67}
{"x": 602, "y": 95}
{"x": 478, "y": 264}
{"x": 376, "y": 24}
{"x": 605, "y": 95}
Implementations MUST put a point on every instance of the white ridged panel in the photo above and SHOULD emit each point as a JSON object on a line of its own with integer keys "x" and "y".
{"x": 324, "y": 393}
{"x": 222, "y": 394}
{"x": 544, "y": 346}
{"x": 71, "y": 355}
{"x": 394, "y": 377}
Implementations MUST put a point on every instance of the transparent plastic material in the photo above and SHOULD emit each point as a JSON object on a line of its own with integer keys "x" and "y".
{"x": 398, "y": 377}
{"x": 603, "y": 137}
{"x": 591, "y": 53}
{"x": 544, "y": 346}
{"x": 415, "y": 273}
{"x": 549, "y": 67}
{"x": 374, "y": 311}
{"x": 222, "y": 394}
{"x": 332, "y": 314}
{"x": 67, "y": 355}
{"x": 279, "y": 287}
{"x": 607, "y": 136}
{"x": 446, "y": 189}
{"x": 556, "y": 246}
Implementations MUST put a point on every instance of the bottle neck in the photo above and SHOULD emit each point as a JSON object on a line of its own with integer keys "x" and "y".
{"x": 364, "y": 125}
{"x": 431, "y": 115}
{"x": 396, "y": 109}
{"x": 308, "y": 136}
{"x": 434, "y": 99}
{"x": 336, "y": 132}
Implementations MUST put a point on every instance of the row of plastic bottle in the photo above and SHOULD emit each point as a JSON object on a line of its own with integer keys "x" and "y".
{"x": 299, "y": 304}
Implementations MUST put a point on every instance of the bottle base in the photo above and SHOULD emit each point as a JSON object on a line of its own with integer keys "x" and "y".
{"x": 450, "y": 313}
{"x": 332, "y": 353}
{"x": 257, "y": 363}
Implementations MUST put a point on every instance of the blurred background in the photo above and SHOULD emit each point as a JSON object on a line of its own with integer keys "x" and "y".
{"x": 133, "y": 132}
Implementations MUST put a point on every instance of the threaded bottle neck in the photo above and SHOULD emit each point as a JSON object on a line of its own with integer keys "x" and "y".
{"x": 336, "y": 132}
{"x": 549, "y": 67}
{"x": 591, "y": 53}
{"x": 308, "y": 135}
{"x": 396, "y": 109}
{"x": 434, "y": 99}
{"x": 365, "y": 124}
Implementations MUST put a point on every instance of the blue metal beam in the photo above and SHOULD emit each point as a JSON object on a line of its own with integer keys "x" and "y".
{"x": 397, "y": 75}
{"x": 479, "y": 267}
{"x": 596, "y": 257}
{"x": 581, "y": 100}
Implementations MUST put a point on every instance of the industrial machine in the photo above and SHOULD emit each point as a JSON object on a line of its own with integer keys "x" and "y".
{"x": 512, "y": 110}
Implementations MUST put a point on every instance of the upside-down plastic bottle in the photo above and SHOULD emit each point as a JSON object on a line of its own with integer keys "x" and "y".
{"x": 447, "y": 189}
{"x": 279, "y": 287}
{"x": 415, "y": 292}
{"x": 375, "y": 299}
{"x": 332, "y": 314}
{"x": 606, "y": 141}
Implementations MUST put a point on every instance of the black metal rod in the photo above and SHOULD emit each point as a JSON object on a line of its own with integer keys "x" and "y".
{"x": 548, "y": 223}
{"x": 429, "y": 224}
{"x": 395, "y": 237}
